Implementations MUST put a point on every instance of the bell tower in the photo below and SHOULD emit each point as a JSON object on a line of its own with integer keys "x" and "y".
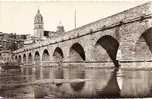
{"x": 38, "y": 25}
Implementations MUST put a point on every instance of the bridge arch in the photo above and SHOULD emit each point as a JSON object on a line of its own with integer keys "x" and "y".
{"x": 30, "y": 58}
{"x": 37, "y": 57}
{"x": 45, "y": 60}
{"x": 24, "y": 58}
{"x": 58, "y": 57}
{"x": 106, "y": 48}
{"x": 45, "y": 55}
{"x": 19, "y": 59}
{"x": 77, "y": 53}
{"x": 143, "y": 46}
{"x": 58, "y": 54}
{"x": 16, "y": 58}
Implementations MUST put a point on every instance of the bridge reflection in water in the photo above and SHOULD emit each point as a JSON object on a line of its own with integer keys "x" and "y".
{"x": 75, "y": 80}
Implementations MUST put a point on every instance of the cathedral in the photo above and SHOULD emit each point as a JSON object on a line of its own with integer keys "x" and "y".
{"x": 39, "y": 33}
{"x": 38, "y": 25}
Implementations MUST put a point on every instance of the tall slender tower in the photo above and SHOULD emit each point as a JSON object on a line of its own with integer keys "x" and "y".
{"x": 38, "y": 25}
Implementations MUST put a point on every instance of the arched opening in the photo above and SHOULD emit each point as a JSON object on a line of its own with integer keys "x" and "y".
{"x": 106, "y": 49}
{"x": 45, "y": 56}
{"x": 37, "y": 62}
{"x": 143, "y": 47}
{"x": 107, "y": 84}
{"x": 37, "y": 57}
{"x": 58, "y": 55}
{"x": 30, "y": 58}
{"x": 77, "y": 54}
{"x": 24, "y": 58}
{"x": 45, "y": 59}
{"x": 15, "y": 58}
{"x": 19, "y": 59}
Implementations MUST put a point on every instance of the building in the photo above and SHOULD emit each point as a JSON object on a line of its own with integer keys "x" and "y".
{"x": 38, "y": 25}
{"x": 39, "y": 33}
{"x": 8, "y": 43}
{"x": 11, "y": 41}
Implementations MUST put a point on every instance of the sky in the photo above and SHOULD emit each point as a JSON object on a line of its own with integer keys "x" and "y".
{"x": 18, "y": 16}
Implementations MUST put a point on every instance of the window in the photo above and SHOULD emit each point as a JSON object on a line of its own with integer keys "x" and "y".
{"x": 46, "y": 33}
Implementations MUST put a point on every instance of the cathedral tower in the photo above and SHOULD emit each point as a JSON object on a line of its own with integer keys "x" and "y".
{"x": 38, "y": 25}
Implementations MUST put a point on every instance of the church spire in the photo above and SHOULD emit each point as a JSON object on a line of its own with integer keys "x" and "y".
{"x": 38, "y": 18}
{"x": 38, "y": 11}
{"x": 38, "y": 24}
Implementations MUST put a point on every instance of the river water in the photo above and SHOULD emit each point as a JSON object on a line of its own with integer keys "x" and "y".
{"x": 99, "y": 82}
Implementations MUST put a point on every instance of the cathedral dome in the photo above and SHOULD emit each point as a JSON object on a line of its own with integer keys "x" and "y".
{"x": 38, "y": 18}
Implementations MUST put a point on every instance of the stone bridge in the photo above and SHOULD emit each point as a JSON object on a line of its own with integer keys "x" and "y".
{"x": 123, "y": 40}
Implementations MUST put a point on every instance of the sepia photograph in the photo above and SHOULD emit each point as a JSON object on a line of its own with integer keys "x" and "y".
{"x": 61, "y": 49}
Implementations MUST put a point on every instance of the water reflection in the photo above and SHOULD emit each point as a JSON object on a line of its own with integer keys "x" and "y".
{"x": 112, "y": 88}
{"x": 8, "y": 90}
{"x": 77, "y": 72}
{"x": 103, "y": 82}
{"x": 37, "y": 72}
